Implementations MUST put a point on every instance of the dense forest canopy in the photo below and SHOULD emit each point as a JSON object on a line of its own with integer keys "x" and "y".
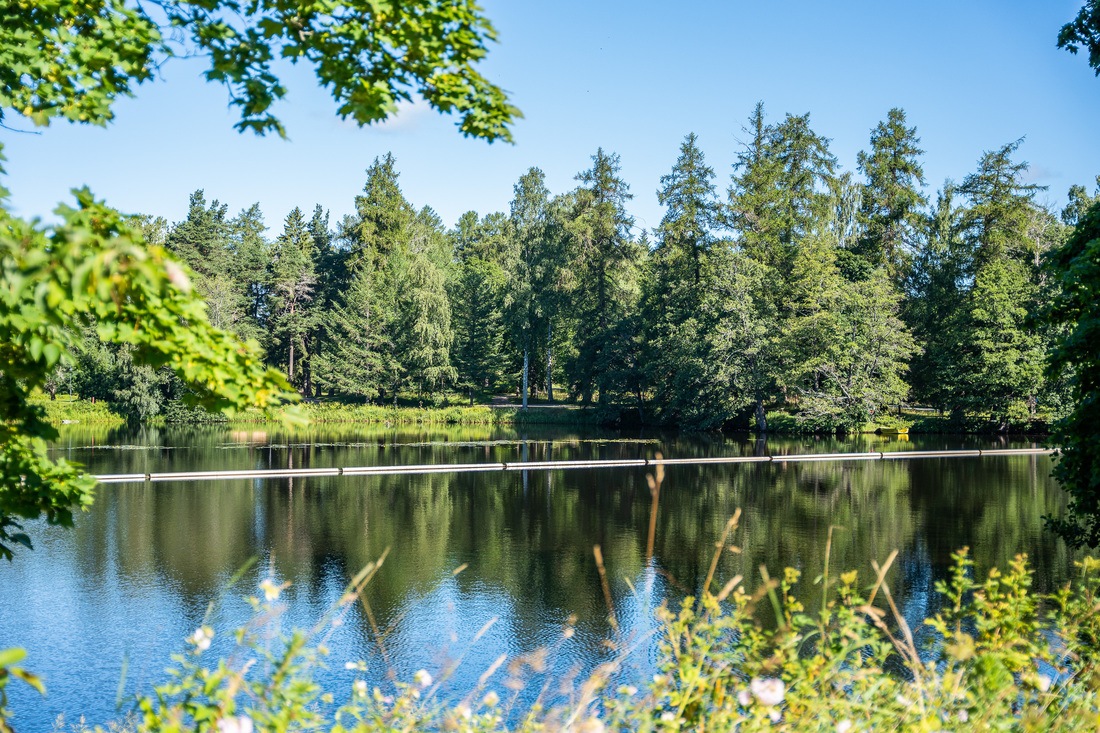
{"x": 834, "y": 294}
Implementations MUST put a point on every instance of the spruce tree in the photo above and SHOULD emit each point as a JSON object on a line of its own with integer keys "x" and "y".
{"x": 677, "y": 355}
{"x": 891, "y": 209}
{"x": 477, "y": 296}
{"x": 607, "y": 262}
{"x": 357, "y": 358}
{"x": 530, "y": 229}
{"x": 293, "y": 282}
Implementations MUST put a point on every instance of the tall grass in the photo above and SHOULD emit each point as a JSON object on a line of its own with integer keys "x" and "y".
{"x": 63, "y": 411}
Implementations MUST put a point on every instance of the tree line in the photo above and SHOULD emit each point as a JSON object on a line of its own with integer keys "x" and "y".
{"x": 835, "y": 294}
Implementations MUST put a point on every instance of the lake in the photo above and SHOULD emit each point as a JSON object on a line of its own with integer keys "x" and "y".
{"x": 101, "y": 607}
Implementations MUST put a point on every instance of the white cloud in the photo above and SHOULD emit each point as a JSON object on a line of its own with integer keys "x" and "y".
{"x": 407, "y": 116}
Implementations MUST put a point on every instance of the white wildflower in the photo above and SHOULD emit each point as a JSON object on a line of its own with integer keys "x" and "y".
{"x": 775, "y": 715}
{"x": 964, "y": 716}
{"x": 463, "y": 711}
{"x": 351, "y": 665}
{"x": 422, "y": 678}
{"x": 491, "y": 699}
{"x": 668, "y": 717}
{"x": 844, "y": 726}
{"x": 745, "y": 698}
{"x": 768, "y": 690}
{"x": 201, "y": 638}
{"x": 1044, "y": 682}
{"x": 235, "y": 724}
{"x": 360, "y": 687}
{"x": 628, "y": 690}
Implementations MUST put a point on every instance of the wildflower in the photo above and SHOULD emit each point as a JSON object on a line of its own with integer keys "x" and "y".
{"x": 360, "y": 687}
{"x": 745, "y": 698}
{"x": 775, "y": 715}
{"x": 592, "y": 725}
{"x": 768, "y": 690}
{"x": 201, "y": 638}
{"x": 350, "y": 665}
{"x": 628, "y": 690}
{"x": 463, "y": 711}
{"x": 422, "y": 678}
{"x": 1044, "y": 682}
{"x": 235, "y": 724}
{"x": 668, "y": 717}
{"x": 660, "y": 679}
{"x": 844, "y": 726}
{"x": 491, "y": 699}
{"x": 964, "y": 716}
{"x": 271, "y": 591}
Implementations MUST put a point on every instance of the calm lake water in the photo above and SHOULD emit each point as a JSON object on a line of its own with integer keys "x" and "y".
{"x": 139, "y": 572}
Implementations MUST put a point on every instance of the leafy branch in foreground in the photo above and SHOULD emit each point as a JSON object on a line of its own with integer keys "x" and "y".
{"x": 93, "y": 269}
{"x": 73, "y": 59}
{"x": 1076, "y": 267}
{"x": 1083, "y": 32}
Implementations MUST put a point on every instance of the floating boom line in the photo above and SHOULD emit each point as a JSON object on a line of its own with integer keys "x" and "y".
{"x": 132, "y": 478}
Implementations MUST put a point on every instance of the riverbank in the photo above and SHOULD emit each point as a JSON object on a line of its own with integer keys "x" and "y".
{"x": 69, "y": 411}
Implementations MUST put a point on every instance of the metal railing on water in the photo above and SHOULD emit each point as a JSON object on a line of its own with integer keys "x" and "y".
{"x": 129, "y": 478}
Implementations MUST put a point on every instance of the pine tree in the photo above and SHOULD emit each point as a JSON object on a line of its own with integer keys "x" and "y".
{"x": 357, "y": 359}
{"x": 293, "y": 282}
{"x": 202, "y": 239}
{"x": 530, "y": 228}
{"x": 687, "y": 192}
{"x": 425, "y": 337}
{"x": 755, "y": 193}
{"x": 677, "y": 357}
{"x": 936, "y": 287}
{"x": 249, "y": 266}
{"x": 607, "y": 262}
{"x": 1000, "y": 358}
{"x": 477, "y": 297}
{"x": 892, "y": 201}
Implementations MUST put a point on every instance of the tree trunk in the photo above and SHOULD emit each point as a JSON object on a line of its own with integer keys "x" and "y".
{"x": 761, "y": 417}
{"x": 526, "y": 364}
{"x": 549, "y": 362}
{"x": 290, "y": 366}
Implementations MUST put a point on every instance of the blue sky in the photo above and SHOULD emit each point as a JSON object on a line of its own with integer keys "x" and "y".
{"x": 633, "y": 77}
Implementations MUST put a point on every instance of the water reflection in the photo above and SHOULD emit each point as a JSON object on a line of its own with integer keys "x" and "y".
{"x": 136, "y": 575}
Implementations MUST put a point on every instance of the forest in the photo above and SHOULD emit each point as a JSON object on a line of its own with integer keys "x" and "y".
{"x": 835, "y": 295}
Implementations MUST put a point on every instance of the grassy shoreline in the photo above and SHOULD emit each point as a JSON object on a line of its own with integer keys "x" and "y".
{"x": 65, "y": 411}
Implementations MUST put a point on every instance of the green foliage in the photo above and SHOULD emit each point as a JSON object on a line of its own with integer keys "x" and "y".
{"x": 606, "y": 262}
{"x": 1083, "y": 32}
{"x": 93, "y": 269}
{"x": 892, "y": 201}
{"x": 1076, "y": 266}
{"x": 9, "y": 671}
{"x": 705, "y": 304}
{"x": 63, "y": 410}
{"x": 357, "y": 359}
{"x": 74, "y": 59}
{"x": 292, "y": 281}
